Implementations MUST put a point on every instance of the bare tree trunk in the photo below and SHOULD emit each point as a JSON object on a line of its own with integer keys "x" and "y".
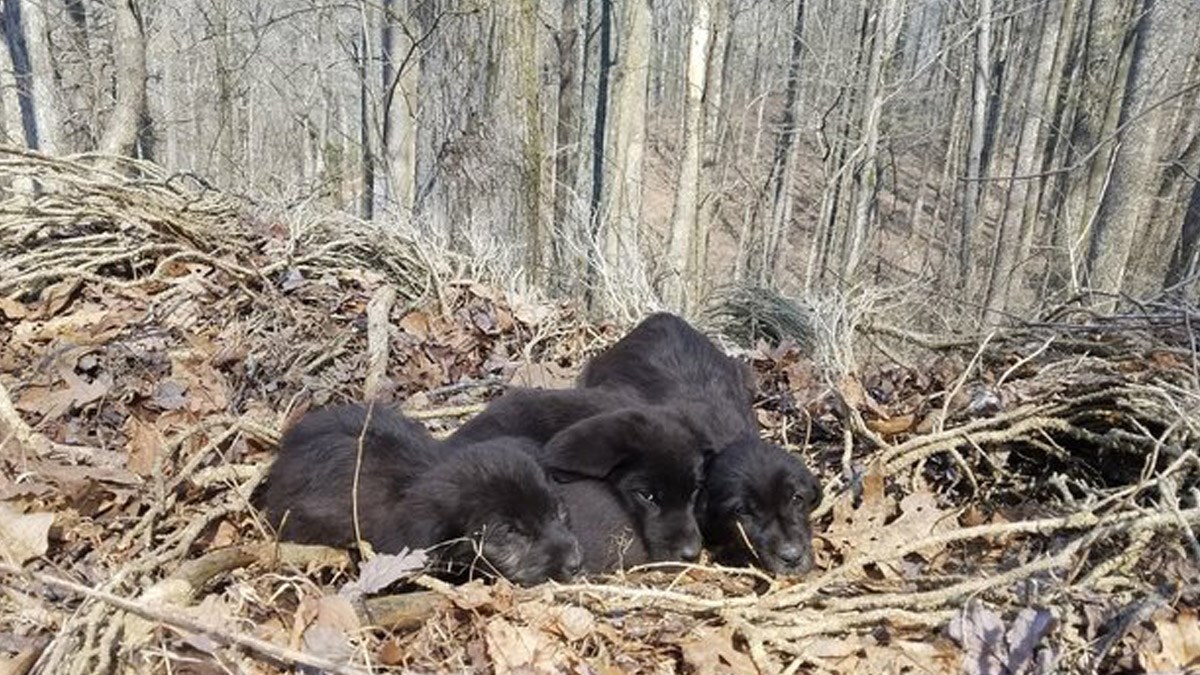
{"x": 714, "y": 87}
{"x": 712, "y": 168}
{"x": 1184, "y": 257}
{"x": 1129, "y": 189}
{"x": 626, "y": 141}
{"x": 129, "y": 51}
{"x": 1016, "y": 227}
{"x": 682, "y": 258}
{"x": 595, "y": 215}
{"x": 568, "y": 135}
{"x": 1105, "y": 70}
{"x": 366, "y": 200}
{"x": 18, "y": 51}
{"x": 523, "y": 34}
{"x": 780, "y": 178}
{"x": 402, "y": 77}
{"x": 865, "y": 207}
{"x": 979, "y": 107}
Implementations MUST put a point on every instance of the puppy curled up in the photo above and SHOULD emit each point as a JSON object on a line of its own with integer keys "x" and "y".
{"x": 487, "y": 507}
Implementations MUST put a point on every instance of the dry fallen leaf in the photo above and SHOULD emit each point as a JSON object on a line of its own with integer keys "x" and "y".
{"x": 416, "y": 324}
{"x": 992, "y": 648}
{"x": 23, "y": 536}
{"x": 12, "y": 310}
{"x": 382, "y": 571}
{"x": 893, "y": 425}
{"x": 206, "y": 386}
{"x": 328, "y": 635}
{"x": 56, "y": 297}
{"x": 708, "y": 652}
{"x": 519, "y": 649}
{"x": 575, "y": 623}
{"x": 144, "y": 444}
{"x": 870, "y": 529}
{"x": 1180, "y": 637}
{"x": 55, "y": 402}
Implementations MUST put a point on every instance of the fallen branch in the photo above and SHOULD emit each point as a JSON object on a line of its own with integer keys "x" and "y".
{"x": 182, "y": 622}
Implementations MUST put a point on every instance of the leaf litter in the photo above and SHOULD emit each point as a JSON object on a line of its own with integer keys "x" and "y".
{"x": 1033, "y": 514}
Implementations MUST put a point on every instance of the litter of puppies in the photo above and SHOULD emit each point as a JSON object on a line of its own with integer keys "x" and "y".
{"x": 1024, "y": 499}
{"x": 645, "y": 448}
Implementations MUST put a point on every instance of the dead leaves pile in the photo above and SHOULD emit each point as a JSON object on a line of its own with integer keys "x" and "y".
{"x": 146, "y": 396}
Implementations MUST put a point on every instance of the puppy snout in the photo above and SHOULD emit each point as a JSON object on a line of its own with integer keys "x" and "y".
{"x": 574, "y": 562}
{"x": 690, "y": 552}
{"x": 791, "y": 555}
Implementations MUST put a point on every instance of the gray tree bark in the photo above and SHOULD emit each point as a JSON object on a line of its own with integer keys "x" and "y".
{"x": 1131, "y": 182}
{"x": 129, "y": 55}
{"x": 682, "y": 257}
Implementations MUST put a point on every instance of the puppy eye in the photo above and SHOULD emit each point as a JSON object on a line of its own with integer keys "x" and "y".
{"x": 648, "y": 496}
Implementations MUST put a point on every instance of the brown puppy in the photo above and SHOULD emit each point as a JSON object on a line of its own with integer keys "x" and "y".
{"x": 485, "y": 507}
{"x": 755, "y": 492}
{"x": 650, "y": 456}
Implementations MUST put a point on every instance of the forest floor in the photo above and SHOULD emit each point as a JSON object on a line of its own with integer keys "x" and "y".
{"x": 1023, "y": 501}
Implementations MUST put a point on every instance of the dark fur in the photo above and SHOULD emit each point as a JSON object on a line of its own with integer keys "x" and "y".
{"x": 770, "y": 494}
{"x": 608, "y": 535}
{"x": 487, "y": 506}
{"x": 650, "y": 456}
{"x": 664, "y": 360}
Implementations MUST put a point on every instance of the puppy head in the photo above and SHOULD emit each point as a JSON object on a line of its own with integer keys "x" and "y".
{"x": 757, "y": 501}
{"x": 494, "y": 499}
{"x": 653, "y": 458}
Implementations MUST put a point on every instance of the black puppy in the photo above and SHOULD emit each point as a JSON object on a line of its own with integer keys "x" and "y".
{"x": 757, "y": 496}
{"x": 608, "y": 535}
{"x": 650, "y": 456}
{"x": 487, "y": 506}
{"x": 664, "y": 360}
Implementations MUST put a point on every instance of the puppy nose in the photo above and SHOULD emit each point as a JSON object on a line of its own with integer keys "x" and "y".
{"x": 791, "y": 555}
{"x": 574, "y": 563}
{"x": 690, "y": 552}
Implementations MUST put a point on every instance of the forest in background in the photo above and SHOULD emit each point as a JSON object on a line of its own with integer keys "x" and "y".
{"x": 1007, "y": 154}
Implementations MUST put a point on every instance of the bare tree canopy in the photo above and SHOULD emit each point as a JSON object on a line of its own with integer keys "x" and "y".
{"x": 1019, "y": 153}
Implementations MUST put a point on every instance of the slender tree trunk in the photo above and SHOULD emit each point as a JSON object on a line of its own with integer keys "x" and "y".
{"x": 780, "y": 178}
{"x": 1105, "y": 71}
{"x": 979, "y": 107}
{"x": 366, "y": 201}
{"x": 524, "y": 43}
{"x": 1184, "y": 257}
{"x": 18, "y": 51}
{"x": 865, "y": 207}
{"x": 626, "y": 140}
{"x": 1130, "y": 187}
{"x": 1016, "y": 227}
{"x": 681, "y": 254}
{"x": 604, "y": 68}
{"x": 401, "y": 70}
{"x": 567, "y": 135}
{"x": 387, "y": 189}
{"x": 129, "y": 50}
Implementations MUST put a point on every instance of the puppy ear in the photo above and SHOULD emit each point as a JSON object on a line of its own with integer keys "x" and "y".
{"x": 693, "y": 420}
{"x": 593, "y": 447}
